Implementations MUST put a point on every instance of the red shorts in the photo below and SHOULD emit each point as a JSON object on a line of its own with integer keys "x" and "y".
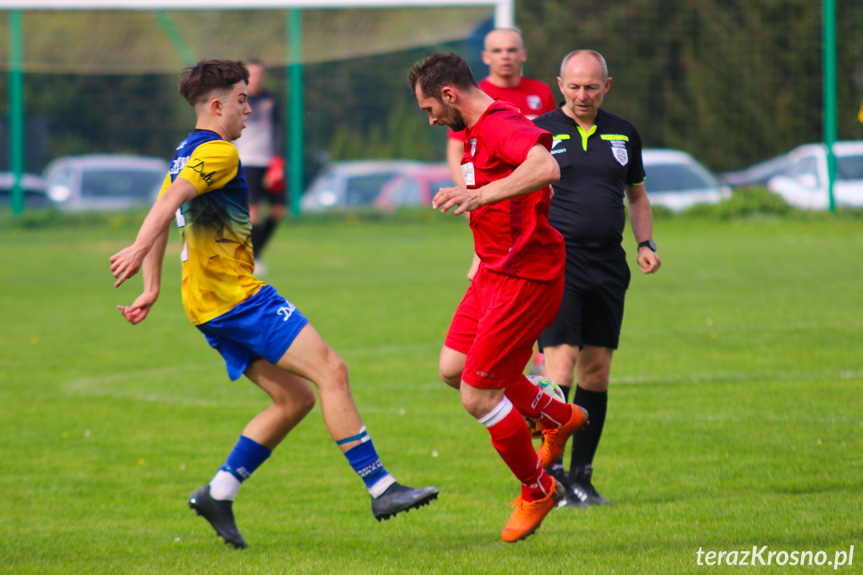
{"x": 497, "y": 322}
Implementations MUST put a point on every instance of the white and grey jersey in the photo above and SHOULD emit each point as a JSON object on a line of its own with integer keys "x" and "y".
{"x": 258, "y": 143}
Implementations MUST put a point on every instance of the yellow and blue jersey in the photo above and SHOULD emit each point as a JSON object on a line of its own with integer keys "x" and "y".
{"x": 217, "y": 256}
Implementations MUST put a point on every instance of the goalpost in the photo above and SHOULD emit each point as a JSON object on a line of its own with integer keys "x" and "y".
{"x": 503, "y": 11}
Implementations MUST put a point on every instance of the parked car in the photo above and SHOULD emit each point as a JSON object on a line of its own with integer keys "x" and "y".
{"x": 756, "y": 175}
{"x": 803, "y": 181}
{"x": 414, "y": 188}
{"x": 35, "y": 191}
{"x": 678, "y": 181}
{"x": 351, "y": 185}
{"x": 104, "y": 181}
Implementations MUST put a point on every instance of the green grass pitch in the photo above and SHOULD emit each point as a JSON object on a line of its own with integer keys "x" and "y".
{"x": 735, "y": 417}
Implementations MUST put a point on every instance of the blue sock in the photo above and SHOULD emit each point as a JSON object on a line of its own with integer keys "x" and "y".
{"x": 245, "y": 458}
{"x": 365, "y": 461}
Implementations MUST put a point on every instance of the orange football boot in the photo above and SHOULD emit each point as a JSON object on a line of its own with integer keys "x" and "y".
{"x": 528, "y": 515}
{"x": 554, "y": 439}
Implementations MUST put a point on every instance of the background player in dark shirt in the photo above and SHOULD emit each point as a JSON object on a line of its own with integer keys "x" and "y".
{"x": 600, "y": 162}
{"x": 259, "y": 153}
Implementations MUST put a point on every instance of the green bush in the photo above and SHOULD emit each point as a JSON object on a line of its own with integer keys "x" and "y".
{"x": 753, "y": 200}
{"x": 744, "y": 202}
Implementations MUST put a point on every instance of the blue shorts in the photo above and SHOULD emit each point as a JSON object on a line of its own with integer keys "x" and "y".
{"x": 262, "y": 327}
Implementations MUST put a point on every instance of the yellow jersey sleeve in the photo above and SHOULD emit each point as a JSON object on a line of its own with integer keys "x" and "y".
{"x": 212, "y": 165}
{"x": 165, "y": 184}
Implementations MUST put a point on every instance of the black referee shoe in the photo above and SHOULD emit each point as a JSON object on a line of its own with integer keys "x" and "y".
{"x": 558, "y": 472}
{"x": 398, "y": 498}
{"x": 583, "y": 489}
{"x": 219, "y": 514}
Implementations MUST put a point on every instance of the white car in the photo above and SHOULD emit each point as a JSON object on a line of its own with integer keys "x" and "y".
{"x": 756, "y": 175}
{"x": 104, "y": 181}
{"x": 803, "y": 180}
{"x": 33, "y": 186}
{"x": 677, "y": 181}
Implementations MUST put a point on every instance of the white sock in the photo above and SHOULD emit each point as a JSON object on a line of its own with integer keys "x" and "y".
{"x": 224, "y": 486}
{"x": 382, "y": 485}
{"x": 497, "y": 414}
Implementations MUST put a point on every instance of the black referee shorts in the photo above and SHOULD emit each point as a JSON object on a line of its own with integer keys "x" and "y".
{"x": 591, "y": 312}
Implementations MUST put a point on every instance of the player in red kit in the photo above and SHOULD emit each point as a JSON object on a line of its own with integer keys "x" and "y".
{"x": 504, "y": 54}
{"x": 516, "y": 292}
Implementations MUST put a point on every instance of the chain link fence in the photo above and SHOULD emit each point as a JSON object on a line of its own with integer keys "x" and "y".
{"x": 731, "y": 81}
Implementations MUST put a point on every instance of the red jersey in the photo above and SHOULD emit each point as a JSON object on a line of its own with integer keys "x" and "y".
{"x": 512, "y": 236}
{"x": 532, "y": 97}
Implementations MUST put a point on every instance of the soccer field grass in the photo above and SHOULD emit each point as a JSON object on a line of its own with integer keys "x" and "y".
{"x": 735, "y": 418}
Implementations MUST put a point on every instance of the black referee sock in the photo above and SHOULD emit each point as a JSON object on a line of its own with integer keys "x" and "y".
{"x": 585, "y": 442}
{"x": 565, "y": 389}
{"x": 261, "y": 234}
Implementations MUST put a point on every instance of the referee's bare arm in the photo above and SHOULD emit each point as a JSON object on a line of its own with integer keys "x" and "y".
{"x": 641, "y": 220}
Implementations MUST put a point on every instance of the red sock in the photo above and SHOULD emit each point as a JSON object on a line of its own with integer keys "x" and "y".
{"x": 533, "y": 403}
{"x": 511, "y": 439}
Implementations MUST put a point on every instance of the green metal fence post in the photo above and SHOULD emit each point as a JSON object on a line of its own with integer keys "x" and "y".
{"x": 175, "y": 37}
{"x": 830, "y": 95}
{"x": 16, "y": 111}
{"x": 294, "y": 121}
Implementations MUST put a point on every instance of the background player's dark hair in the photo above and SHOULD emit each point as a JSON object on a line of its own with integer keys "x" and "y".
{"x": 198, "y": 81}
{"x": 438, "y": 71}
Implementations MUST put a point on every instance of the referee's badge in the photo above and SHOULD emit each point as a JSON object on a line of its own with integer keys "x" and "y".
{"x": 620, "y": 155}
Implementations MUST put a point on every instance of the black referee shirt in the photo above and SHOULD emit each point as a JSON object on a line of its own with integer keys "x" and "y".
{"x": 595, "y": 168}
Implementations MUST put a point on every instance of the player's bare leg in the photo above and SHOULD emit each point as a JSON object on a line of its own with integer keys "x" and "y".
{"x": 293, "y": 399}
{"x": 560, "y": 362}
{"x": 451, "y": 366}
{"x": 312, "y": 358}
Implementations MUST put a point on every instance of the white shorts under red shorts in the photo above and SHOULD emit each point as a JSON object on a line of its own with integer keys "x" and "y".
{"x": 497, "y": 322}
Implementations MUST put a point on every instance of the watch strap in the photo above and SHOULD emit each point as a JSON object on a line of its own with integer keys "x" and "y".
{"x": 648, "y": 244}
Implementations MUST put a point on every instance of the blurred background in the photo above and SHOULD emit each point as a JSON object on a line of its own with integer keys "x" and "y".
{"x": 731, "y": 82}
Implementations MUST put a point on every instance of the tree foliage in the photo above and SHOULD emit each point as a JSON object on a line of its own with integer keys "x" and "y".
{"x": 731, "y": 81}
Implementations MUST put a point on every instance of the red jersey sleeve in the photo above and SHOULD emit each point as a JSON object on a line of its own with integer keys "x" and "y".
{"x": 513, "y": 136}
{"x": 453, "y": 135}
{"x": 511, "y": 236}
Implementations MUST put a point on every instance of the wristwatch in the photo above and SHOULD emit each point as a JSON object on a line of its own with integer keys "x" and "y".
{"x": 648, "y": 243}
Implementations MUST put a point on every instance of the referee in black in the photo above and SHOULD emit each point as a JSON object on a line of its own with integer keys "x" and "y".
{"x": 600, "y": 162}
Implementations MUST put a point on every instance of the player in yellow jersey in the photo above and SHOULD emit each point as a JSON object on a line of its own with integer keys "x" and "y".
{"x": 258, "y": 332}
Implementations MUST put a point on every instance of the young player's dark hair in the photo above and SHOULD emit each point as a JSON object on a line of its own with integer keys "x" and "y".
{"x": 199, "y": 81}
{"x": 438, "y": 71}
